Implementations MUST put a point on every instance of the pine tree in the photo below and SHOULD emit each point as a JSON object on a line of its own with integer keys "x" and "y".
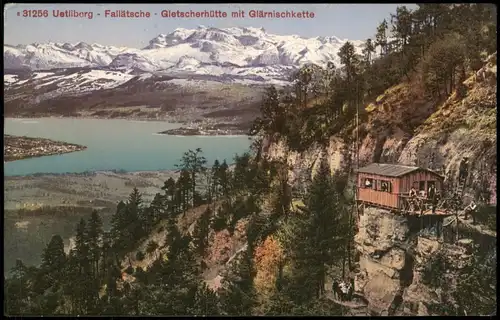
{"x": 193, "y": 162}
{"x": 154, "y": 212}
{"x": 216, "y": 180}
{"x": 381, "y": 37}
{"x": 271, "y": 112}
{"x": 17, "y": 291}
{"x": 201, "y": 232}
{"x": 325, "y": 223}
{"x": 178, "y": 276}
{"x": 401, "y": 26}
{"x": 119, "y": 230}
{"x": 302, "y": 79}
{"x": 170, "y": 190}
{"x": 206, "y": 302}
{"x": 184, "y": 187}
{"x": 94, "y": 234}
{"x": 314, "y": 240}
{"x": 224, "y": 178}
{"x": 133, "y": 213}
{"x": 54, "y": 257}
{"x": 81, "y": 249}
{"x": 295, "y": 234}
{"x": 368, "y": 50}
{"x": 237, "y": 295}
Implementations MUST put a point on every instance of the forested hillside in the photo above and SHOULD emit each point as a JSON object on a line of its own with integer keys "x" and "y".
{"x": 419, "y": 70}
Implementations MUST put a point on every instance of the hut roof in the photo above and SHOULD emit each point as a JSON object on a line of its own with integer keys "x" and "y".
{"x": 390, "y": 170}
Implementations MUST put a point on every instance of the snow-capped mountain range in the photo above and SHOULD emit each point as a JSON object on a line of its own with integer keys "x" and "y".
{"x": 203, "y": 73}
{"x": 241, "y": 52}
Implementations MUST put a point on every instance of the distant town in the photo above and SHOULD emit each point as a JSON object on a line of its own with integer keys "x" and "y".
{"x": 17, "y": 148}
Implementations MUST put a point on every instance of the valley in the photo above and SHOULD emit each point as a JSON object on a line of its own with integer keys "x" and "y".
{"x": 37, "y": 206}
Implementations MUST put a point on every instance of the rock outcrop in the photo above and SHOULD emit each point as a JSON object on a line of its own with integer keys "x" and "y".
{"x": 393, "y": 261}
{"x": 380, "y": 241}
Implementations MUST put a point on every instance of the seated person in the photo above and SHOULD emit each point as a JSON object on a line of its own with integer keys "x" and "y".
{"x": 368, "y": 183}
{"x": 413, "y": 192}
{"x": 384, "y": 187}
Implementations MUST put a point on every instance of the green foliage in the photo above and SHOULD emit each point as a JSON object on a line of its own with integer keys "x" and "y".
{"x": 237, "y": 295}
{"x": 476, "y": 291}
{"x": 312, "y": 241}
{"x": 54, "y": 258}
{"x": 191, "y": 166}
{"x": 440, "y": 64}
{"x": 206, "y": 302}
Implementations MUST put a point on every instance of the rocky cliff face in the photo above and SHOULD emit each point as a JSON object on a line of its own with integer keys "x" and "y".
{"x": 392, "y": 262}
{"x": 381, "y": 260}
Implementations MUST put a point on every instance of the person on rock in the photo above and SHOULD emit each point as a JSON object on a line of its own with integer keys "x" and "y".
{"x": 344, "y": 288}
{"x": 471, "y": 210}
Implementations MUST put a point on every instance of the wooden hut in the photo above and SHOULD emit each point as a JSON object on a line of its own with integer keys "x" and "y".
{"x": 388, "y": 185}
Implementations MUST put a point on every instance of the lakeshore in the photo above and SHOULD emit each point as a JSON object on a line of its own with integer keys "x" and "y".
{"x": 222, "y": 129}
{"x": 17, "y": 147}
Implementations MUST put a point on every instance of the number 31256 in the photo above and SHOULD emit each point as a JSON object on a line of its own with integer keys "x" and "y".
{"x": 36, "y": 13}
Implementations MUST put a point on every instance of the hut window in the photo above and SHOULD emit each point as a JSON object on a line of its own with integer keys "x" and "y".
{"x": 368, "y": 183}
{"x": 421, "y": 186}
{"x": 385, "y": 186}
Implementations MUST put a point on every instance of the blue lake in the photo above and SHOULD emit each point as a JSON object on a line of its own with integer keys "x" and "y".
{"x": 115, "y": 145}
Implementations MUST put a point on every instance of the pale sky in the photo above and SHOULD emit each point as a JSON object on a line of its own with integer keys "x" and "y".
{"x": 345, "y": 21}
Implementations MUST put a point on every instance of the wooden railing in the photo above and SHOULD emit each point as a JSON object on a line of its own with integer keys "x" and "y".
{"x": 417, "y": 204}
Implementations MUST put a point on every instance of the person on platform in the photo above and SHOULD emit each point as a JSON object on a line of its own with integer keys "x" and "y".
{"x": 413, "y": 192}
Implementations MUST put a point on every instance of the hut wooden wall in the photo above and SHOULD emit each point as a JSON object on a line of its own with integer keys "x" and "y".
{"x": 399, "y": 185}
{"x": 407, "y": 181}
{"x": 388, "y": 199}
